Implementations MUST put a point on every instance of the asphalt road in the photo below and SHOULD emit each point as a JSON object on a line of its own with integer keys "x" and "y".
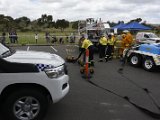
{"x": 103, "y": 100}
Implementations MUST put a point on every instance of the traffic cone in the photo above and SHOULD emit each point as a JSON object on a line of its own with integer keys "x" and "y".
{"x": 87, "y": 73}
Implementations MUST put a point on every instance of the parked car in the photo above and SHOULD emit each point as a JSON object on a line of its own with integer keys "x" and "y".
{"x": 28, "y": 81}
{"x": 147, "y": 37}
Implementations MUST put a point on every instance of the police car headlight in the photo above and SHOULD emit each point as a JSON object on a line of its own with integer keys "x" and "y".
{"x": 55, "y": 72}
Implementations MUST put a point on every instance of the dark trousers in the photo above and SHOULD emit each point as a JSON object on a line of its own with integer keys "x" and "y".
{"x": 102, "y": 49}
{"x": 91, "y": 54}
{"x": 109, "y": 50}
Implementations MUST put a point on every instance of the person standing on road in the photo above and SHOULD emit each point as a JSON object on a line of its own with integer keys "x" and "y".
{"x": 87, "y": 44}
{"x": 110, "y": 47}
{"x": 102, "y": 47}
{"x": 127, "y": 40}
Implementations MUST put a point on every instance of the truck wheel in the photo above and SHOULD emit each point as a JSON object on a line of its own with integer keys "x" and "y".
{"x": 26, "y": 104}
{"x": 135, "y": 60}
{"x": 149, "y": 64}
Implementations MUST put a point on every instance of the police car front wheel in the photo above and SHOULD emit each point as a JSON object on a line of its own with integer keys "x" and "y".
{"x": 26, "y": 104}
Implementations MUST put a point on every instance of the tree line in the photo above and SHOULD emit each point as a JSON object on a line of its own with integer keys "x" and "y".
{"x": 24, "y": 24}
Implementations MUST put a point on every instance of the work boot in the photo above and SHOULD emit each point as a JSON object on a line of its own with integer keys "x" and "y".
{"x": 110, "y": 58}
{"x": 106, "y": 58}
{"x": 92, "y": 63}
{"x": 100, "y": 60}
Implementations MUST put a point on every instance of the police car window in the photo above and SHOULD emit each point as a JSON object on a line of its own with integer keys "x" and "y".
{"x": 146, "y": 36}
{"x": 4, "y": 51}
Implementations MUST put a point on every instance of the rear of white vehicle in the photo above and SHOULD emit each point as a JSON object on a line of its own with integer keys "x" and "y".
{"x": 147, "y": 37}
{"x": 28, "y": 81}
{"x": 146, "y": 55}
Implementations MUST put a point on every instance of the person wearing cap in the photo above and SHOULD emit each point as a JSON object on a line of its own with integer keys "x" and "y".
{"x": 102, "y": 47}
{"x": 87, "y": 44}
{"x": 110, "y": 47}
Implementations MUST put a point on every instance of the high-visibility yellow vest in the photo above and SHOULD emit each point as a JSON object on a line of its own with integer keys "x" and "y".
{"x": 111, "y": 41}
{"x": 86, "y": 43}
{"x": 103, "y": 41}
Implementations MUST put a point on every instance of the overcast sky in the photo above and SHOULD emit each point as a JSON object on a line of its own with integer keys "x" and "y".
{"x": 112, "y": 10}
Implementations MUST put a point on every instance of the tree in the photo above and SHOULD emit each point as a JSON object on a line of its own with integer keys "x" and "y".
{"x": 49, "y": 21}
{"x": 75, "y": 25}
{"x": 136, "y": 20}
{"x": 49, "y": 18}
{"x": 23, "y": 20}
{"x": 62, "y": 24}
{"x": 44, "y": 18}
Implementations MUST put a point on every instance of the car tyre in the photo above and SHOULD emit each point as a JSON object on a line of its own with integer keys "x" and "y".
{"x": 135, "y": 60}
{"x": 25, "y": 104}
{"x": 149, "y": 64}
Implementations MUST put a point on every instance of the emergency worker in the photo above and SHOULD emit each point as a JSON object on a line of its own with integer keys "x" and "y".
{"x": 102, "y": 47}
{"x": 81, "y": 41}
{"x": 110, "y": 47}
{"x": 127, "y": 40}
{"x": 87, "y": 44}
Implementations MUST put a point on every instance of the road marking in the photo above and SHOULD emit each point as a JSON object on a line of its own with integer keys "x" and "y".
{"x": 76, "y": 45}
{"x": 54, "y": 49}
{"x": 28, "y": 48}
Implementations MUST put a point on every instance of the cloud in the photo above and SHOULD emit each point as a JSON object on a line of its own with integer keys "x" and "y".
{"x": 138, "y": 2}
{"x": 115, "y": 10}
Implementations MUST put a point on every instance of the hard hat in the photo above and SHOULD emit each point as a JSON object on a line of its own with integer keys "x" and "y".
{"x": 125, "y": 31}
{"x": 82, "y": 35}
{"x": 112, "y": 33}
{"x": 86, "y": 36}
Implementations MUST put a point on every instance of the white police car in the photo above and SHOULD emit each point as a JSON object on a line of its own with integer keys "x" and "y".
{"x": 28, "y": 80}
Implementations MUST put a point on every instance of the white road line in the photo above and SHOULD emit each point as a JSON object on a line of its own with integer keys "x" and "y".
{"x": 28, "y": 48}
{"x": 54, "y": 49}
{"x": 76, "y": 45}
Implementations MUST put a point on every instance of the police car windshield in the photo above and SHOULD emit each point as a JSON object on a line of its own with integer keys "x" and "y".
{"x": 4, "y": 51}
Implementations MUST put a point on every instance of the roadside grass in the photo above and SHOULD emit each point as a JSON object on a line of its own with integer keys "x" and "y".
{"x": 29, "y": 37}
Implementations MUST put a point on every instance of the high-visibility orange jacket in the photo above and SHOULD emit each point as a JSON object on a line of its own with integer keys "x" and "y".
{"x": 127, "y": 40}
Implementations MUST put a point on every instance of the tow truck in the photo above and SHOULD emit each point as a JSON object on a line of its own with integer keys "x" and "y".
{"x": 146, "y": 55}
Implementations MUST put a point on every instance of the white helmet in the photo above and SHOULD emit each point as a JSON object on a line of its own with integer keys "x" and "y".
{"x": 112, "y": 33}
{"x": 86, "y": 36}
{"x": 125, "y": 31}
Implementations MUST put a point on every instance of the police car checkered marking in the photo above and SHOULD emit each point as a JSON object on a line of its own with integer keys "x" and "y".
{"x": 41, "y": 67}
